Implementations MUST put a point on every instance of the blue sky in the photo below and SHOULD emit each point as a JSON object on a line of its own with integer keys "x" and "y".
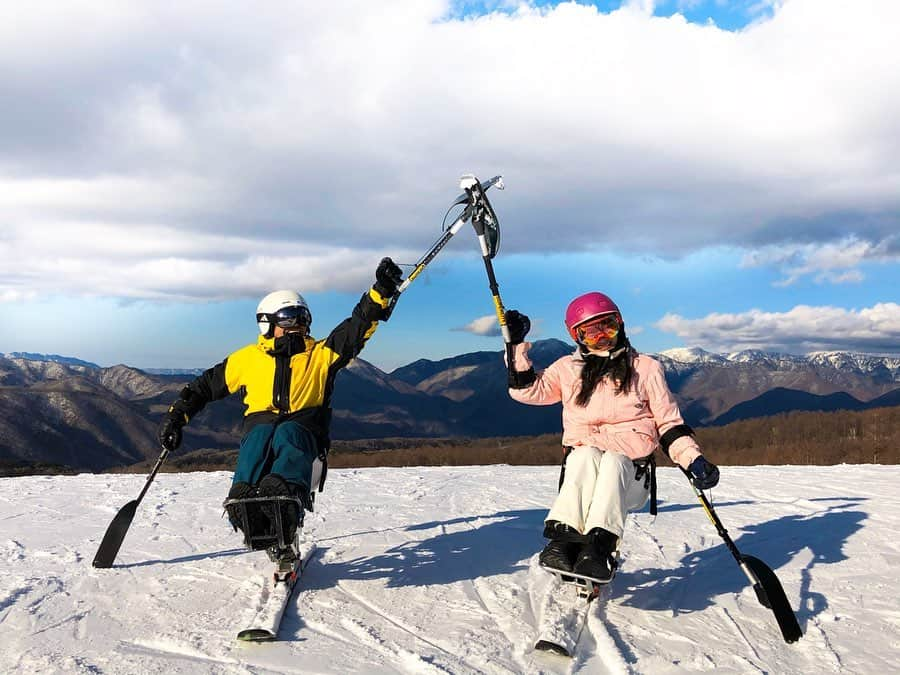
{"x": 729, "y": 172}
{"x": 726, "y": 14}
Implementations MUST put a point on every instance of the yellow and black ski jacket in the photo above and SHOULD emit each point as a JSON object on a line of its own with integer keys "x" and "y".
{"x": 289, "y": 377}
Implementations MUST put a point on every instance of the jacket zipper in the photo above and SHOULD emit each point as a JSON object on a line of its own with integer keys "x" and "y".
{"x": 281, "y": 395}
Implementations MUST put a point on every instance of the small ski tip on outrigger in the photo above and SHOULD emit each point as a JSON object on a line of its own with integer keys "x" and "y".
{"x": 765, "y": 583}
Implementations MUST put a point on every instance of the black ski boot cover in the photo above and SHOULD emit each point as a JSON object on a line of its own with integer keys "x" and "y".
{"x": 595, "y": 559}
{"x": 274, "y": 485}
{"x": 258, "y": 522}
{"x": 565, "y": 542}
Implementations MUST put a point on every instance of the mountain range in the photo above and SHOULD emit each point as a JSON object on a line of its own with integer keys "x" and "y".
{"x": 69, "y": 412}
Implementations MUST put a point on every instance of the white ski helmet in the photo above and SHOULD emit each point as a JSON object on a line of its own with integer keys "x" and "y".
{"x": 283, "y": 308}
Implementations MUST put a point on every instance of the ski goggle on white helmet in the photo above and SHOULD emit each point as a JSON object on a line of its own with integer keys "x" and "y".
{"x": 286, "y": 309}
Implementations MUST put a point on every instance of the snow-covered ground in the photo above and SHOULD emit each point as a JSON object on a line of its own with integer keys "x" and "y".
{"x": 432, "y": 570}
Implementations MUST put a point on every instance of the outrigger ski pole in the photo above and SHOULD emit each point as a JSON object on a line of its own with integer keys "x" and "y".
{"x": 768, "y": 588}
{"x": 118, "y": 528}
{"x": 487, "y": 227}
{"x": 472, "y": 208}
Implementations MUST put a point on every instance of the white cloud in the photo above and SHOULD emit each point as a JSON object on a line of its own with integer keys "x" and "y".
{"x": 848, "y": 277}
{"x": 643, "y": 6}
{"x": 342, "y": 127}
{"x": 763, "y": 7}
{"x": 488, "y": 327}
{"x": 12, "y": 295}
{"x": 164, "y": 262}
{"x": 832, "y": 262}
{"x": 485, "y": 325}
{"x": 804, "y": 328}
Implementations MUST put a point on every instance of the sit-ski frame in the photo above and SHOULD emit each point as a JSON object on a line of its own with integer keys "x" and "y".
{"x": 274, "y": 545}
{"x": 587, "y": 587}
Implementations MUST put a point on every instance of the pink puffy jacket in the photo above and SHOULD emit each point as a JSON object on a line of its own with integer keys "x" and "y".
{"x": 629, "y": 423}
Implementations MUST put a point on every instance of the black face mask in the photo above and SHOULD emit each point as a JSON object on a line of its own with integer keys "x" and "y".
{"x": 289, "y": 344}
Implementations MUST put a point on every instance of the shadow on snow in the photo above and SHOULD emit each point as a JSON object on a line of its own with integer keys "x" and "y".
{"x": 184, "y": 558}
{"x": 503, "y": 542}
{"x": 476, "y": 546}
{"x": 700, "y": 576}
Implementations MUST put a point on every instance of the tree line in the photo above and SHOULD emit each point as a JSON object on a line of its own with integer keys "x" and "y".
{"x": 820, "y": 438}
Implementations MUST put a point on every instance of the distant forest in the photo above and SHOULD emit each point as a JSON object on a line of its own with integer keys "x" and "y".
{"x": 823, "y": 438}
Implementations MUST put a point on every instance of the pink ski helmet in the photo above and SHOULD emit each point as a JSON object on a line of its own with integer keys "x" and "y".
{"x": 586, "y": 307}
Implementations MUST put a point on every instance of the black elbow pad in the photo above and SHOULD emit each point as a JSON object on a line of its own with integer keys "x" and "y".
{"x": 521, "y": 380}
{"x": 673, "y": 435}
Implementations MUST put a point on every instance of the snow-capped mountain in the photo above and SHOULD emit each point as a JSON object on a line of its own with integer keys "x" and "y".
{"x": 710, "y": 387}
{"x": 770, "y": 358}
{"x": 877, "y": 366}
{"x": 692, "y": 355}
{"x": 862, "y": 362}
{"x": 463, "y": 396}
{"x": 56, "y": 358}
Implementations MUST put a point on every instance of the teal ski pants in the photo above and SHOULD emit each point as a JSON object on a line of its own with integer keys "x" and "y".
{"x": 288, "y": 449}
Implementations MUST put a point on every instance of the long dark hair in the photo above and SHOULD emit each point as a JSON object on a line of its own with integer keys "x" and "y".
{"x": 617, "y": 366}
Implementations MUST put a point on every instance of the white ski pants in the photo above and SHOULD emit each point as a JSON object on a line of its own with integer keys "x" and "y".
{"x": 599, "y": 490}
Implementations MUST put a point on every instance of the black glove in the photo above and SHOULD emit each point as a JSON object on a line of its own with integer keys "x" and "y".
{"x": 387, "y": 277}
{"x": 704, "y": 475}
{"x": 188, "y": 404}
{"x": 518, "y": 324}
{"x": 170, "y": 430}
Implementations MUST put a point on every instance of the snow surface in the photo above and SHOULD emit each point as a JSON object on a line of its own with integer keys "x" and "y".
{"x": 433, "y": 570}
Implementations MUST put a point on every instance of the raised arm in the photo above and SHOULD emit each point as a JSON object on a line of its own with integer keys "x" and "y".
{"x": 350, "y": 336}
{"x": 527, "y": 386}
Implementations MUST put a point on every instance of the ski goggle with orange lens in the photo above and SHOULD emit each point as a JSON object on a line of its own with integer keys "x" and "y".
{"x": 599, "y": 332}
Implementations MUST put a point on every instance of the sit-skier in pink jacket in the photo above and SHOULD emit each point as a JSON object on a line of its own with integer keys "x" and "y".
{"x": 617, "y": 408}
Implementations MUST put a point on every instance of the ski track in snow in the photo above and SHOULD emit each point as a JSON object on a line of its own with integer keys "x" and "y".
{"x": 433, "y": 571}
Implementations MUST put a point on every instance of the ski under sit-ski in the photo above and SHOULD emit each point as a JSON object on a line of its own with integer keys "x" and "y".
{"x": 276, "y": 595}
{"x": 566, "y": 615}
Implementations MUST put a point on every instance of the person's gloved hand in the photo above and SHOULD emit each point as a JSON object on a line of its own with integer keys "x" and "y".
{"x": 170, "y": 430}
{"x": 387, "y": 278}
{"x": 518, "y": 324}
{"x": 704, "y": 474}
